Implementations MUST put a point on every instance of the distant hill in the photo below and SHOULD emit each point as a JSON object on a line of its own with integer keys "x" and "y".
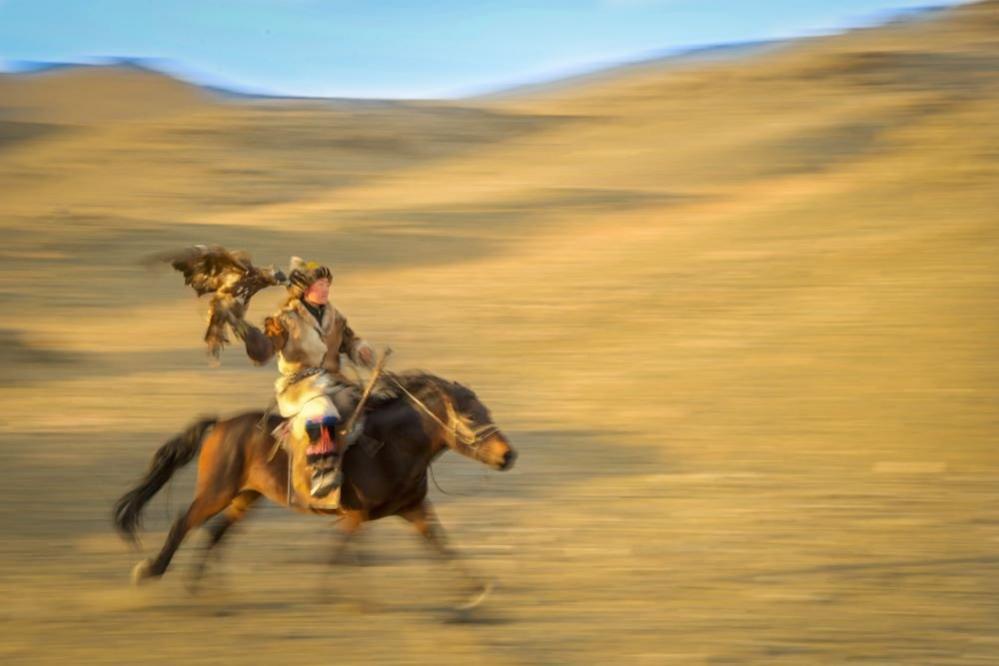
{"x": 84, "y": 94}
{"x": 32, "y": 88}
{"x": 653, "y": 62}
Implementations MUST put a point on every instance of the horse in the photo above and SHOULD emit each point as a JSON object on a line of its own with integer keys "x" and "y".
{"x": 238, "y": 463}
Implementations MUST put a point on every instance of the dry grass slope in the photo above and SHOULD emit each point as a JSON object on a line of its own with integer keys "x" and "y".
{"x": 740, "y": 317}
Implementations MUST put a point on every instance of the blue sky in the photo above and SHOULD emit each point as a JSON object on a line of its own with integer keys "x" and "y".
{"x": 402, "y": 49}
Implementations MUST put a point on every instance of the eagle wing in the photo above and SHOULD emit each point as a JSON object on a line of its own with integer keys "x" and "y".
{"x": 230, "y": 277}
{"x": 207, "y": 268}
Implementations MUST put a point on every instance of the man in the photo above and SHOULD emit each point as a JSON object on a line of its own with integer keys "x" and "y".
{"x": 308, "y": 335}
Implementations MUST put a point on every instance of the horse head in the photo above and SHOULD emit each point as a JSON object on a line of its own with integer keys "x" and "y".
{"x": 471, "y": 431}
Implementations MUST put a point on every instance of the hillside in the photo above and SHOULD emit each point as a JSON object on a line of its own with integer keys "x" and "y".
{"x": 739, "y": 316}
{"x": 95, "y": 94}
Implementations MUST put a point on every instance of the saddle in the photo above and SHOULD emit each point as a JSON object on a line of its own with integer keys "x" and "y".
{"x": 300, "y": 472}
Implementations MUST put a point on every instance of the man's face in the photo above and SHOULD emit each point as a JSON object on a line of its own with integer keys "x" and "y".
{"x": 318, "y": 292}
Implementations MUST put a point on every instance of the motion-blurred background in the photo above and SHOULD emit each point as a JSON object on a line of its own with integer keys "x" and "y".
{"x": 737, "y": 307}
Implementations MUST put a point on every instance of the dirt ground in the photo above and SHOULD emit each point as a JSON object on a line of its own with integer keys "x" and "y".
{"x": 596, "y": 556}
{"x": 738, "y": 317}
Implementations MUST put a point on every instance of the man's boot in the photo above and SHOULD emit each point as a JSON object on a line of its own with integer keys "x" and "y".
{"x": 323, "y": 457}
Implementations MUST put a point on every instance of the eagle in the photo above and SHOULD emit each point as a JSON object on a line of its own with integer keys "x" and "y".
{"x": 231, "y": 279}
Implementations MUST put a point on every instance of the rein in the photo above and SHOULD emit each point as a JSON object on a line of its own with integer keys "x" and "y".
{"x": 433, "y": 477}
{"x": 470, "y": 440}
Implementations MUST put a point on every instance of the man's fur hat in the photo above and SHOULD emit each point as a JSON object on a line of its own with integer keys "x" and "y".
{"x": 301, "y": 275}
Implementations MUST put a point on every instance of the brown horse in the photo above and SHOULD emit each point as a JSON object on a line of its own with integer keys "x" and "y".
{"x": 414, "y": 424}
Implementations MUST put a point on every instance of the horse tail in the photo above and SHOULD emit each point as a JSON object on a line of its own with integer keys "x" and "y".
{"x": 127, "y": 513}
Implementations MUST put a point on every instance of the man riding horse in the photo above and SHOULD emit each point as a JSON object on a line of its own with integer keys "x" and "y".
{"x": 412, "y": 423}
{"x": 308, "y": 335}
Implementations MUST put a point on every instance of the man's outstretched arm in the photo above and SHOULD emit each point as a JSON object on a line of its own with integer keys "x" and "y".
{"x": 262, "y": 345}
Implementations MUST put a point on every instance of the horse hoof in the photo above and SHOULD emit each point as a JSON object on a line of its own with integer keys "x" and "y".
{"x": 477, "y": 598}
{"x": 141, "y": 571}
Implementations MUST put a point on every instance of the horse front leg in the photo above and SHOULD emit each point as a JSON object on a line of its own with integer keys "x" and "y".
{"x": 424, "y": 520}
{"x": 348, "y": 527}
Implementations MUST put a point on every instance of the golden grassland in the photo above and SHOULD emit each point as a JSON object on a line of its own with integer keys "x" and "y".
{"x": 739, "y": 317}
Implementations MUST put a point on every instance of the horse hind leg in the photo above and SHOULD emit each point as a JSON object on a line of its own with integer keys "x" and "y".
{"x": 232, "y": 514}
{"x": 221, "y": 476}
{"x": 202, "y": 508}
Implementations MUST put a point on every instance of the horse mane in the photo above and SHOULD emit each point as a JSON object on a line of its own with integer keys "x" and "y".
{"x": 418, "y": 382}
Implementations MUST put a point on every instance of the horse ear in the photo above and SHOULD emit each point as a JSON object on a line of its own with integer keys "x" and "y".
{"x": 462, "y": 392}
